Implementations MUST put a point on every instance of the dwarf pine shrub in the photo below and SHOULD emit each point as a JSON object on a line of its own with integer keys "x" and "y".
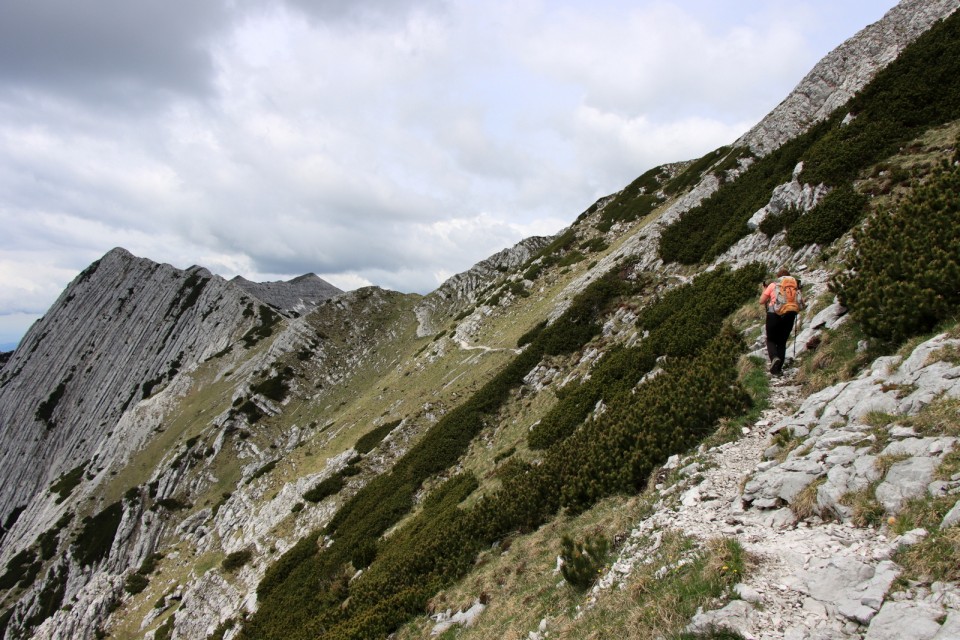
{"x": 325, "y": 488}
{"x": 583, "y": 560}
{"x": 777, "y": 222}
{"x": 96, "y": 537}
{"x": 902, "y": 279}
{"x": 371, "y": 439}
{"x": 236, "y": 560}
{"x": 831, "y": 218}
{"x": 66, "y": 483}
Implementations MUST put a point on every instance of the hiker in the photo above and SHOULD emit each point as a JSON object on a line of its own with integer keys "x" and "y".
{"x": 782, "y": 301}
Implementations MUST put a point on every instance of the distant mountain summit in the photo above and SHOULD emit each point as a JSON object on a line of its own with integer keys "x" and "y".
{"x": 292, "y": 296}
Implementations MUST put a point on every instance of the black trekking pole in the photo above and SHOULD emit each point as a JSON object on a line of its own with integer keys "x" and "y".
{"x": 796, "y": 332}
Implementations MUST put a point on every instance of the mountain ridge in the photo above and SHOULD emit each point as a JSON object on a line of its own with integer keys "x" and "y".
{"x": 217, "y": 457}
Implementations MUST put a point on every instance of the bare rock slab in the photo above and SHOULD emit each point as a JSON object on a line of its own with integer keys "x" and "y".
{"x": 906, "y": 621}
{"x": 856, "y": 589}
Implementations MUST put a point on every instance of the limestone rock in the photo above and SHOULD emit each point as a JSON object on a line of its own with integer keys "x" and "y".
{"x": 460, "y": 291}
{"x": 952, "y": 518}
{"x": 844, "y": 71}
{"x": 298, "y": 295}
{"x": 734, "y": 617}
{"x": 906, "y": 479}
{"x": 905, "y": 621}
{"x": 854, "y": 587}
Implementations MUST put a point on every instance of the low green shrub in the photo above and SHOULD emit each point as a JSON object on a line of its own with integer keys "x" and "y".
{"x": 94, "y": 540}
{"x": 324, "y": 488}
{"x": 172, "y": 504}
{"x": 165, "y": 630}
{"x": 777, "y": 222}
{"x": 234, "y": 561}
{"x": 66, "y": 483}
{"x": 831, "y": 218}
{"x": 531, "y": 335}
{"x": 275, "y": 387}
{"x": 371, "y": 439}
{"x": 22, "y": 568}
{"x": 901, "y": 280}
{"x": 596, "y": 245}
{"x": 264, "y": 470}
{"x": 583, "y": 560}
{"x": 267, "y": 320}
{"x": 44, "y": 412}
{"x": 135, "y": 583}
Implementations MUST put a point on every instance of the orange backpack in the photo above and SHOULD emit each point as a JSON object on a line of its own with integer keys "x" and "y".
{"x": 786, "y": 297}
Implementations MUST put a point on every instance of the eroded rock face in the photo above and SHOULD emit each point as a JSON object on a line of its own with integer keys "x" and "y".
{"x": 122, "y": 331}
{"x": 298, "y": 295}
{"x": 460, "y": 291}
{"x": 839, "y": 446}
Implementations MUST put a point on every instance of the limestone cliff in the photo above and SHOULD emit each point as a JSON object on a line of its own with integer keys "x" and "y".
{"x": 460, "y": 291}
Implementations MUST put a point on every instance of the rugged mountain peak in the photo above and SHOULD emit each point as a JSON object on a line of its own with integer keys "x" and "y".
{"x": 297, "y": 295}
{"x": 120, "y": 332}
{"x": 844, "y": 71}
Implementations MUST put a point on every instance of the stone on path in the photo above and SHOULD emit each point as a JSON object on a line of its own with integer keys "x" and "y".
{"x": 906, "y": 621}
{"x": 855, "y": 589}
{"x": 952, "y": 518}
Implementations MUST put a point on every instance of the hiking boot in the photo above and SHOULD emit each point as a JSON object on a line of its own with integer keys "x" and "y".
{"x": 777, "y": 367}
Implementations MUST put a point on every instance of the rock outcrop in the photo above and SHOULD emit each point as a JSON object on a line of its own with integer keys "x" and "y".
{"x": 122, "y": 331}
{"x": 460, "y": 291}
{"x": 297, "y": 296}
{"x": 818, "y": 575}
{"x": 844, "y": 71}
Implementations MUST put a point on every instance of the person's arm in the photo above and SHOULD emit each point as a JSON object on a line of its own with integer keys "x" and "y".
{"x": 766, "y": 296}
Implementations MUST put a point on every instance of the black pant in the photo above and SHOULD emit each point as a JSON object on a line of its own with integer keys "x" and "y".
{"x": 778, "y": 332}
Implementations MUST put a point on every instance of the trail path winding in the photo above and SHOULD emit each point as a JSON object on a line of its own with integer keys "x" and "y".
{"x": 814, "y": 580}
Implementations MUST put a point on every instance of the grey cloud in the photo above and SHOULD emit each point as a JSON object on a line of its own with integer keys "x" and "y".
{"x": 109, "y": 52}
{"x": 365, "y": 11}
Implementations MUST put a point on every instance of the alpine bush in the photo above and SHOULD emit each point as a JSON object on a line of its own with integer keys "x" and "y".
{"x": 66, "y": 483}
{"x": 370, "y": 440}
{"x": 831, "y": 218}
{"x": 902, "y": 278}
{"x": 95, "y": 539}
{"x": 583, "y": 560}
{"x": 236, "y": 560}
{"x": 324, "y": 488}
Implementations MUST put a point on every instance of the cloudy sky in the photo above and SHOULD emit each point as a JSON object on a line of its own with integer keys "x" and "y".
{"x": 387, "y": 142}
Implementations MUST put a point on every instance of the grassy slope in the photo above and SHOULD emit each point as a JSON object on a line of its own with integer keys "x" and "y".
{"x": 520, "y": 584}
{"x": 403, "y": 381}
{"x": 398, "y": 382}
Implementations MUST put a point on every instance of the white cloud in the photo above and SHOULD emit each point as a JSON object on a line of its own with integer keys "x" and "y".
{"x": 381, "y": 142}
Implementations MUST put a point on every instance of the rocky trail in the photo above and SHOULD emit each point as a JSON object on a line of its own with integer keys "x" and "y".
{"x": 813, "y": 579}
